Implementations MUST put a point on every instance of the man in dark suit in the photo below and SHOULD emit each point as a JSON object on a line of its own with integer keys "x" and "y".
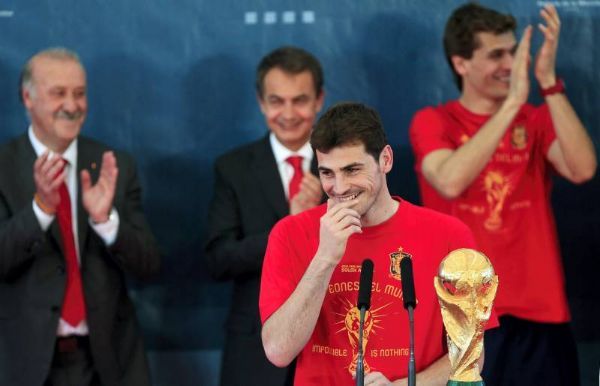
{"x": 255, "y": 186}
{"x": 68, "y": 235}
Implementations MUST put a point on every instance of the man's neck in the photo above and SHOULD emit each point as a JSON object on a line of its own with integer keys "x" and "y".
{"x": 479, "y": 104}
{"x": 53, "y": 146}
{"x": 381, "y": 211}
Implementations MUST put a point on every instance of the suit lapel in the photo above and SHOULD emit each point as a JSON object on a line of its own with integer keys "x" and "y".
{"x": 264, "y": 167}
{"x": 85, "y": 160}
{"x": 24, "y": 163}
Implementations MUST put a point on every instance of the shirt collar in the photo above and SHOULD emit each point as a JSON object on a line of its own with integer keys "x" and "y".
{"x": 70, "y": 154}
{"x": 281, "y": 152}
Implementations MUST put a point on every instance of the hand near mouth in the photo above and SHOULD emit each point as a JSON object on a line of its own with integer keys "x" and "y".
{"x": 337, "y": 225}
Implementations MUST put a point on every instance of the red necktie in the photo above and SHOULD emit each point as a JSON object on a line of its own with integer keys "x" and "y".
{"x": 294, "y": 187}
{"x": 73, "y": 310}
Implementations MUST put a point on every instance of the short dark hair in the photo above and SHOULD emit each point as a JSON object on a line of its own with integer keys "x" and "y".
{"x": 464, "y": 24}
{"x": 349, "y": 123}
{"x": 292, "y": 60}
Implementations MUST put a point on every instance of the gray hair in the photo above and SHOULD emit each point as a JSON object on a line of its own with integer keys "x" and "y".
{"x": 58, "y": 53}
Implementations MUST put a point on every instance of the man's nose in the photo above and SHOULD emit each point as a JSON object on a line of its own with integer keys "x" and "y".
{"x": 70, "y": 104}
{"x": 507, "y": 61}
{"x": 340, "y": 185}
{"x": 288, "y": 111}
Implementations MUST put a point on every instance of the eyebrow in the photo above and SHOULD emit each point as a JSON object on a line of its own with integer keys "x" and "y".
{"x": 344, "y": 168}
{"x": 513, "y": 48}
{"x": 294, "y": 98}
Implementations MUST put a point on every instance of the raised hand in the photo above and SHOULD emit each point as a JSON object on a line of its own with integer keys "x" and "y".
{"x": 545, "y": 63}
{"x": 48, "y": 178}
{"x": 519, "y": 77}
{"x": 309, "y": 196}
{"x": 98, "y": 199}
{"x": 337, "y": 225}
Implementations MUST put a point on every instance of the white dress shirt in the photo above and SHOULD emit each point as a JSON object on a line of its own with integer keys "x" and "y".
{"x": 281, "y": 153}
{"x": 107, "y": 231}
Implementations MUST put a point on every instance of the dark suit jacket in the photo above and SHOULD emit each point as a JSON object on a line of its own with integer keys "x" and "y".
{"x": 32, "y": 274}
{"x": 248, "y": 200}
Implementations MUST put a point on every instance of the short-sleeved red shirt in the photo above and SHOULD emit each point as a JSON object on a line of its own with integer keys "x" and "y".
{"x": 329, "y": 356}
{"x": 507, "y": 206}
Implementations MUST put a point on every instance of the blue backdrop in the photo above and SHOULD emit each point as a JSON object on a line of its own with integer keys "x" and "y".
{"x": 172, "y": 82}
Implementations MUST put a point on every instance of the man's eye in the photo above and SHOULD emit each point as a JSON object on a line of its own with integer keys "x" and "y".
{"x": 57, "y": 93}
{"x": 301, "y": 101}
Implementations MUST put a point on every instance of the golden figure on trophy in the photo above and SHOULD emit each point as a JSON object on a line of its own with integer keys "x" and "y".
{"x": 352, "y": 326}
{"x": 466, "y": 287}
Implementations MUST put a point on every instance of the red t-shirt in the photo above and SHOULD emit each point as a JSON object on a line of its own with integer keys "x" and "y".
{"x": 507, "y": 206}
{"x": 327, "y": 359}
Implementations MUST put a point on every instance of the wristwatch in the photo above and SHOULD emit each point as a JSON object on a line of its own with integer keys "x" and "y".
{"x": 559, "y": 87}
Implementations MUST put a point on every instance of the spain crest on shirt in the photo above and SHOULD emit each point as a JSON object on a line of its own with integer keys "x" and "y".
{"x": 518, "y": 137}
{"x": 395, "y": 258}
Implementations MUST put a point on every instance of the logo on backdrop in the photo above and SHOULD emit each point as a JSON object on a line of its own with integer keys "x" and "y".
{"x": 5, "y": 12}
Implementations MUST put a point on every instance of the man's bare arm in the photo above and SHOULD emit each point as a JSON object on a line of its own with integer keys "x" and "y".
{"x": 286, "y": 332}
{"x": 572, "y": 154}
{"x": 450, "y": 172}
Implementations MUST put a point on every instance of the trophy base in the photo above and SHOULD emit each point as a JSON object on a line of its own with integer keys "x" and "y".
{"x": 461, "y": 383}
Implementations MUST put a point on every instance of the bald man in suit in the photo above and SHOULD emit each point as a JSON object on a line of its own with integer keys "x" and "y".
{"x": 71, "y": 228}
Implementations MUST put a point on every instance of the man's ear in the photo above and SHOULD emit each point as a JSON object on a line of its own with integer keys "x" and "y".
{"x": 320, "y": 100}
{"x": 27, "y": 97}
{"x": 261, "y": 102}
{"x": 460, "y": 64}
{"x": 386, "y": 159}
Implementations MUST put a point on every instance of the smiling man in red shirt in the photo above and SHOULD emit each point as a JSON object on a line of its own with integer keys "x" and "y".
{"x": 487, "y": 159}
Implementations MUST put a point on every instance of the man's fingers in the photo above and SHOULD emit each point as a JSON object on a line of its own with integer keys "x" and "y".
{"x": 342, "y": 213}
{"x": 41, "y": 160}
{"x": 524, "y": 44}
{"x": 550, "y": 15}
{"x": 312, "y": 179}
{"x": 551, "y": 23}
{"x": 552, "y": 26}
{"x": 86, "y": 180}
{"x": 376, "y": 378}
{"x": 108, "y": 159}
{"x": 56, "y": 182}
{"x": 349, "y": 231}
{"x": 109, "y": 165}
{"x": 334, "y": 207}
{"x": 329, "y": 204}
{"x": 521, "y": 62}
{"x": 54, "y": 170}
{"x": 544, "y": 30}
{"x": 310, "y": 188}
{"x": 49, "y": 166}
{"x": 348, "y": 221}
{"x": 47, "y": 173}
{"x": 345, "y": 226}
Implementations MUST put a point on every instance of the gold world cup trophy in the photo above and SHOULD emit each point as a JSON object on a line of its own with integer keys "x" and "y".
{"x": 466, "y": 287}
